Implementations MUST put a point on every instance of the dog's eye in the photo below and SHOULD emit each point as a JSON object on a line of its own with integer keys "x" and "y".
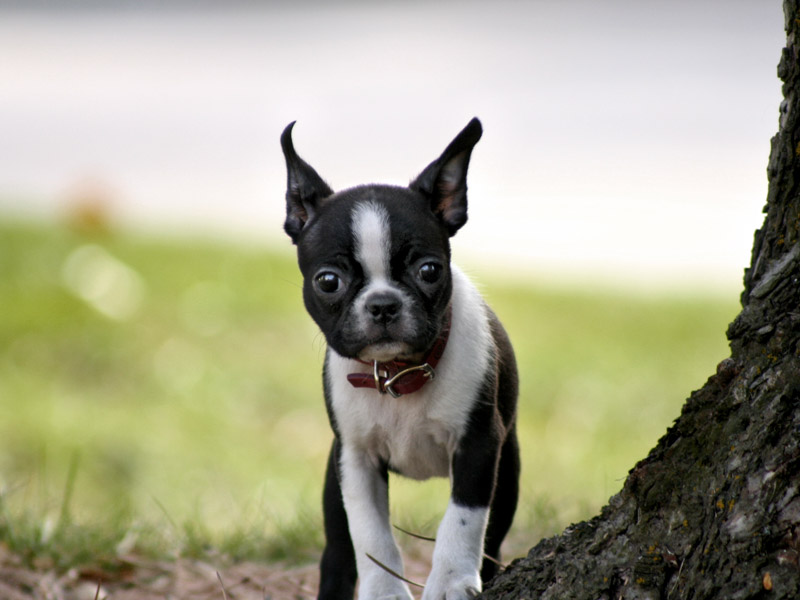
{"x": 328, "y": 282}
{"x": 430, "y": 272}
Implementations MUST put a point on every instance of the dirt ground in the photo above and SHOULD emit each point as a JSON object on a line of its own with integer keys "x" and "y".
{"x": 132, "y": 578}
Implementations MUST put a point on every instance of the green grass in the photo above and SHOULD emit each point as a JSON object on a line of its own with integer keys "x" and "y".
{"x": 163, "y": 396}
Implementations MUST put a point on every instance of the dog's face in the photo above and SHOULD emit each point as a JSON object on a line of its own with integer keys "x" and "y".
{"x": 376, "y": 268}
{"x": 376, "y": 259}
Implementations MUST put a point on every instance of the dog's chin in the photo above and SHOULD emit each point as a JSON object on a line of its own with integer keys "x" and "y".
{"x": 386, "y": 351}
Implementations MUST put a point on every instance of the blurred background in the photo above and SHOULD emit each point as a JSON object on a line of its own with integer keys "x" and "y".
{"x": 159, "y": 380}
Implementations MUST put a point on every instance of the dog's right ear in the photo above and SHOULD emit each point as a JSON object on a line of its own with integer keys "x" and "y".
{"x": 444, "y": 181}
{"x": 305, "y": 189}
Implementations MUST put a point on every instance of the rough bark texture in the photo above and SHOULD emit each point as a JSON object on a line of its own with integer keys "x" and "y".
{"x": 714, "y": 510}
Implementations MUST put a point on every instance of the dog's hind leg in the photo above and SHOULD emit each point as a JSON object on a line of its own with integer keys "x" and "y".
{"x": 504, "y": 504}
{"x": 338, "y": 565}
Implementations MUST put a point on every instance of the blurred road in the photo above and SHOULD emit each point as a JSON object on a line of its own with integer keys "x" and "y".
{"x": 623, "y": 139}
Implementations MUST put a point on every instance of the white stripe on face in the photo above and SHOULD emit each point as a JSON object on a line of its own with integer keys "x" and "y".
{"x": 373, "y": 242}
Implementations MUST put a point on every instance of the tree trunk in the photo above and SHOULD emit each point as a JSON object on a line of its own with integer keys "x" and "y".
{"x": 714, "y": 510}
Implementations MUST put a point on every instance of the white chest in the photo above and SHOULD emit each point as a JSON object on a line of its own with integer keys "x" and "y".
{"x": 408, "y": 433}
{"x": 417, "y": 434}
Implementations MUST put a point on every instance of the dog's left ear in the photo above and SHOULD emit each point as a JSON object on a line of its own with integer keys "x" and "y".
{"x": 305, "y": 189}
{"x": 444, "y": 181}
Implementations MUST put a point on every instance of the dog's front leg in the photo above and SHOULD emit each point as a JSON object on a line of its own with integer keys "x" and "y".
{"x": 458, "y": 554}
{"x": 457, "y": 557}
{"x": 365, "y": 492}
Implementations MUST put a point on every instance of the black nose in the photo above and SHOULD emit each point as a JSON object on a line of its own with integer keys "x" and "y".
{"x": 384, "y": 307}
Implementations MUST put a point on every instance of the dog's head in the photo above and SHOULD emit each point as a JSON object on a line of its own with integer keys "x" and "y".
{"x": 376, "y": 258}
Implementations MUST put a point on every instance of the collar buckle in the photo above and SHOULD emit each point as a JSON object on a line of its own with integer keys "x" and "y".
{"x": 384, "y": 384}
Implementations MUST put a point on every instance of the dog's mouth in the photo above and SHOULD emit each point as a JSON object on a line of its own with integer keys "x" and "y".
{"x": 386, "y": 350}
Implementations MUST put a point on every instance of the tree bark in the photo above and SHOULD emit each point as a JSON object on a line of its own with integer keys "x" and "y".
{"x": 714, "y": 510}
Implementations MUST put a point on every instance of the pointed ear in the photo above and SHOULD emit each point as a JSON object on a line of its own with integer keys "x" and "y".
{"x": 305, "y": 189}
{"x": 444, "y": 181}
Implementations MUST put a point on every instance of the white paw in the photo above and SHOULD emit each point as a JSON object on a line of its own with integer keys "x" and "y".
{"x": 461, "y": 588}
{"x": 384, "y": 589}
{"x": 457, "y": 555}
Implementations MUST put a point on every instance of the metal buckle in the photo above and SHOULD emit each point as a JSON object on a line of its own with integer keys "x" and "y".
{"x": 387, "y": 385}
{"x": 377, "y": 376}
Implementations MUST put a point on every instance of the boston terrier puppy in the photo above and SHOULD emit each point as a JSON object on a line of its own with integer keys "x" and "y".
{"x": 419, "y": 377}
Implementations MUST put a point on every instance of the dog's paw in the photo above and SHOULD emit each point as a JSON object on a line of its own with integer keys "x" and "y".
{"x": 389, "y": 590}
{"x": 462, "y": 592}
{"x": 397, "y": 594}
{"x": 470, "y": 592}
{"x": 464, "y": 588}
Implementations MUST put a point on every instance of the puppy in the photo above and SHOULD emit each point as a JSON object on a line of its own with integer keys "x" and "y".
{"x": 419, "y": 378}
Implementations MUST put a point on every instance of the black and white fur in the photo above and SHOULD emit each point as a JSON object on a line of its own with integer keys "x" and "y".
{"x": 378, "y": 281}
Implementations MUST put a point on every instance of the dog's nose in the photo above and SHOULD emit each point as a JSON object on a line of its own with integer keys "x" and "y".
{"x": 384, "y": 307}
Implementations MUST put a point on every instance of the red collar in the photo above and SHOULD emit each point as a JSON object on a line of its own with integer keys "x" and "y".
{"x": 397, "y": 377}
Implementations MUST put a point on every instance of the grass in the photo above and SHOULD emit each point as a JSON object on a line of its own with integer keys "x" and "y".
{"x": 162, "y": 396}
